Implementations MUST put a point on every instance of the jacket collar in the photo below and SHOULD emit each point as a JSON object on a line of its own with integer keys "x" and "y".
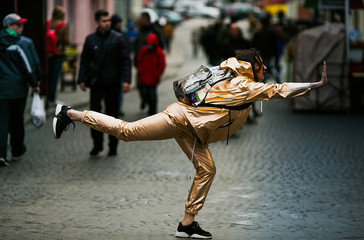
{"x": 238, "y": 67}
{"x": 99, "y": 33}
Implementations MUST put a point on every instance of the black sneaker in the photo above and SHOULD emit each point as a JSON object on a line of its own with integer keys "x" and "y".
{"x": 112, "y": 152}
{"x": 192, "y": 231}
{"x": 4, "y": 162}
{"x": 61, "y": 121}
{"x": 17, "y": 156}
{"x": 95, "y": 151}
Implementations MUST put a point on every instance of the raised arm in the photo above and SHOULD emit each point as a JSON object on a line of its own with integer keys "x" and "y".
{"x": 323, "y": 80}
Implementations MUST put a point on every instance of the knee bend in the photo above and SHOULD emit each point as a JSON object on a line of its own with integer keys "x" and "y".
{"x": 209, "y": 171}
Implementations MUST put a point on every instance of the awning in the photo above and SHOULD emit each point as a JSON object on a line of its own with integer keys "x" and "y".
{"x": 269, "y": 2}
{"x": 353, "y": 4}
{"x": 275, "y": 9}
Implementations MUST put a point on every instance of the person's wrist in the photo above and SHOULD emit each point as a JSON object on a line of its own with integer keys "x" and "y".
{"x": 315, "y": 85}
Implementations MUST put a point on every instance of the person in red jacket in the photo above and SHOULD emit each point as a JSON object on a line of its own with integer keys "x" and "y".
{"x": 151, "y": 64}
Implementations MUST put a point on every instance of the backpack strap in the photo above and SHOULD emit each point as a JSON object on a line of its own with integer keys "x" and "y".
{"x": 239, "y": 107}
{"x": 48, "y": 25}
{"x": 59, "y": 26}
{"x": 230, "y": 108}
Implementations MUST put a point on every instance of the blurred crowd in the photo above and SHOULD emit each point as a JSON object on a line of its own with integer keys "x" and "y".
{"x": 225, "y": 38}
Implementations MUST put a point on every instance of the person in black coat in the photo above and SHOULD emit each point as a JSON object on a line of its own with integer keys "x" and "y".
{"x": 114, "y": 74}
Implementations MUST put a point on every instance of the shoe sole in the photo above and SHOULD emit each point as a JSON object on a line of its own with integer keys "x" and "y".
{"x": 15, "y": 158}
{"x": 56, "y": 112}
{"x": 18, "y": 157}
{"x": 4, "y": 163}
{"x": 54, "y": 127}
{"x": 58, "y": 109}
{"x": 196, "y": 236}
{"x": 182, "y": 235}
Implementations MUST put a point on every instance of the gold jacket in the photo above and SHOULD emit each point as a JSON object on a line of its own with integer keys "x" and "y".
{"x": 213, "y": 124}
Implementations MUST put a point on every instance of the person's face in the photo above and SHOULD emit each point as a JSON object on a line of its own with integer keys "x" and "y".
{"x": 144, "y": 21}
{"x": 118, "y": 26}
{"x": 259, "y": 74}
{"x": 104, "y": 23}
{"x": 234, "y": 31}
{"x": 18, "y": 28}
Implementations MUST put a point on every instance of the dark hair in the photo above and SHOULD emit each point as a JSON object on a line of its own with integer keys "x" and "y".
{"x": 253, "y": 56}
{"x": 146, "y": 15}
{"x": 115, "y": 19}
{"x": 100, "y": 13}
{"x": 58, "y": 13}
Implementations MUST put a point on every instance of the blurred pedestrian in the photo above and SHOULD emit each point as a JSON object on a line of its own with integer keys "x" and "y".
{"x": 145, "y": 28}
{"x": 265, "y": 40}
{"x": 132, "y": 34}
{"x": 107, "y": 50}
{"x": 151, "y": 64}
{"x": 355, "y": 35}
{"x": 55, "y": 59}
{"x": 196, "y": 39}
{"x": 222, "y": 112}
{"x": 280, "y": 41}
{"x": 19, "y": 67}
{"x": 254, "y": 24}
{"x": 210, "y": 43}
{"x": 168, "y": 33}
{"x": 234, "y": 42}
{"x": 116, "y": 25}
{"x": 116, "y": 22}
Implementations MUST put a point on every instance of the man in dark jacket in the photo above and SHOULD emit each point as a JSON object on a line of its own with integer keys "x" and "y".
{"x": 114, "y": 74}
{"x": 17, "y": 73}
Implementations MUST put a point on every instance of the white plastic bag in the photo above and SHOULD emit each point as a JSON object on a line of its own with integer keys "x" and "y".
{"x": 37, "y": 110}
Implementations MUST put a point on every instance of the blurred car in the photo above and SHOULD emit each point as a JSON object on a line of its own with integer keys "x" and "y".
{"x": 174, "y": 17}
{"x": 196, "y": 9}
{"x": 166, "y": 4}
{"x": 241, "y": 10}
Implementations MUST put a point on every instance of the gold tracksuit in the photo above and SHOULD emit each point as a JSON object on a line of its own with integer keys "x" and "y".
{"x": 183, "y": 122}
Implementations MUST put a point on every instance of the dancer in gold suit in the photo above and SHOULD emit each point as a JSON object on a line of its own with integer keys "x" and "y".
{"x": 224, "y": 110}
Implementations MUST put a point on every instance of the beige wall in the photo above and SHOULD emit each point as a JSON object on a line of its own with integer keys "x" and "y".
{"x": 80, "y": 16}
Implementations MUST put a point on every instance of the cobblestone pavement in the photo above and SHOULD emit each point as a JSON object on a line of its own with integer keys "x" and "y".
{"x": 289, "y": 176}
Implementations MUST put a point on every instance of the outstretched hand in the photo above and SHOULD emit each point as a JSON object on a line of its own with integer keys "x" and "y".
{"x": 323, "y": 80}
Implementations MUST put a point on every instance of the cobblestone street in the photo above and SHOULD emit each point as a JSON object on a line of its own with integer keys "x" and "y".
{"x": 287, "y": 176}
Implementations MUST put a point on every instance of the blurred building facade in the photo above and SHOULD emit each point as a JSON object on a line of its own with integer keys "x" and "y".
{"x": 80, "y": 14}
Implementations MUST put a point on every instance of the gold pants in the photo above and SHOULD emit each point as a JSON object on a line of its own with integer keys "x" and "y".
{"x": 163, "y": 126}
